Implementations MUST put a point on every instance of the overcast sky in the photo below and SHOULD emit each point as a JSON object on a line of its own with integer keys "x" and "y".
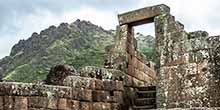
{"x": 20, "y": 18}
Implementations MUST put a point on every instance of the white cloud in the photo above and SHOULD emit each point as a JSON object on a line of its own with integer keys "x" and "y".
{"x": 108, "y": 20}
{"x": 42, "y": 19}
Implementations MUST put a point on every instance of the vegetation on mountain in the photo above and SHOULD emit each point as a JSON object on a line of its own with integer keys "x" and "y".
{"x": 78, "y": 44}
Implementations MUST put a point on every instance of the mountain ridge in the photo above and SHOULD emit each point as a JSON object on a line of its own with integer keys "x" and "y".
{"x": 79, "y": 44}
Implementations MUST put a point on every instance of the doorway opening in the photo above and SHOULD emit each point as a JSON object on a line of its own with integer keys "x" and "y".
{"x": 145, "y": 37}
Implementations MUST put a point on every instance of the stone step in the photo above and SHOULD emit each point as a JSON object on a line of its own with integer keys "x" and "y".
{"x": 145, "y": 101}
{"x": 149, "y": 88}
{"x": 144, "y": 107}
{"x": 146, "y": 94}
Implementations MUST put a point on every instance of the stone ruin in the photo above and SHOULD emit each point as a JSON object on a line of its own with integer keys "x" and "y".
{"x": 186, "y": 74}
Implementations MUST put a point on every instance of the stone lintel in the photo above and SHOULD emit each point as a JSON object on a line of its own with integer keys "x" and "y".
{"x": 143, "y": 15}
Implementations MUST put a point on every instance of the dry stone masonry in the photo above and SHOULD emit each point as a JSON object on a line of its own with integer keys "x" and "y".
{"x": 186, "y": 77}
{"x": 187, "y": 74}
{"x": 78, "y": 94}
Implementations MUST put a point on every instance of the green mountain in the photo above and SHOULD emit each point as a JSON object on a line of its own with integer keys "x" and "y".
{"x": 146, "y": 45}
{"x": 79, "y": 44}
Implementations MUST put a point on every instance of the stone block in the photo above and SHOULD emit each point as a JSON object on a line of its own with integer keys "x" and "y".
{"x": 85, "y": 95}
{"x": 137, "y": 83}
{"x": 147, "y": 14}
{"x": 134, "y": 62}
{"x": 146, "y": 68}
{"x": 119, "y": 86}
{"x": 101, "y": 106}
{"x": 52, "y": 103}
{"x": 141, "y": 75}
{"x": 75, "y": 93}
{"x": 79, "y": 82}
{"x": 99, "y": 85}
{"x": 62, "y": 104}
{"x": 142, "y": 66}
{"x": 147, "y": 79}
{"x": 33, "y": 102}
{"x": 8, "y": 103}
{"x": 14, "y": 88}
{"x": 85, "y": 106}
{"x": 131, "y": 70}
{"x": 115, "y": 106}
{"x": 73, "y": 104}
{"x": 92, "y": 84}
{"x": 21, "y": 103}
{"x": 130, "y": 49}
{"x": 150, "y": 72}
{"x": 1, "y": 103}
{"x": 54, "y": 91}
{"x": 100, "y": 96}
{"x": 38, "y": 102}
{"x": 136, "y": 73}
{"x": 139, "y": 64}
{"x": 130, "y": 38}
{"x": 130, "y": 59}
{"x": 119, "y": 96}
{"x": 109, "y": 85}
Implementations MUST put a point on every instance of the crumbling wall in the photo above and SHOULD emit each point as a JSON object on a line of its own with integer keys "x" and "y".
{"x": 185, "y": 77}
{"x": 130, "y": 83}
{"x": 214, "y": 88}
{"x": 137, "y": 65}
{"x": 139, "y": 72}
{"x": 80, "y": 94}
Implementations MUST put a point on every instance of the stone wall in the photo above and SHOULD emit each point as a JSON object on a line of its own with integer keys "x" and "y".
{"x": 135, "y": 70}
{"x": 187, "y": 65}
{"x": 214, "y": 53}
{"x": 82, "y": 94}
{"x": 129, "y": 82}
{"x": 137, "y": 67}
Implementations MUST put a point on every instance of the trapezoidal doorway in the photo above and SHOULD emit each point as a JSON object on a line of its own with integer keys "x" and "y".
{"x": 141, "y": 70}
{"x": 138, "y": 66}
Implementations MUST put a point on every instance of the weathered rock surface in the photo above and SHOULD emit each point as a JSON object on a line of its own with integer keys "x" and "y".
{"x": 101, "y": 73}
{"x": 58, "y": 73}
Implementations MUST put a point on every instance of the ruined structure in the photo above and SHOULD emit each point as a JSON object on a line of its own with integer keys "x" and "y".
{"x": 187, "y": 73}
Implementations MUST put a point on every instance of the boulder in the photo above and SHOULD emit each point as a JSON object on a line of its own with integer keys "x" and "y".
{"x": 58, "y": 73}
